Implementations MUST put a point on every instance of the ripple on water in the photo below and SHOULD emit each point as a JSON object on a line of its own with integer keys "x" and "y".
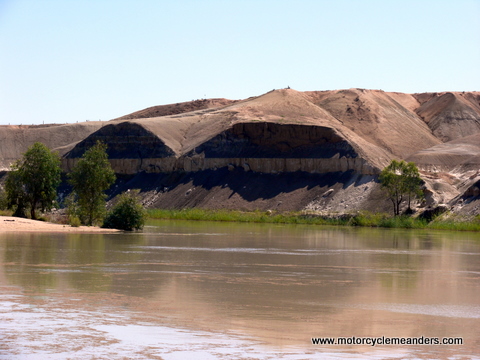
{"x": 61, "y": 331}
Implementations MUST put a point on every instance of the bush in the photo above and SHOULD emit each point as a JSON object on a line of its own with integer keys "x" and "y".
{"x": 74, "y": 221}
{"x": 368, "y": 219}
{"x": 128, "y": 214}
{"x": 3, "y": 199}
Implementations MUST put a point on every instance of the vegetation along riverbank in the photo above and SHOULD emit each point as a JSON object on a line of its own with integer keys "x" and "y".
{"x": 367, "y": 219}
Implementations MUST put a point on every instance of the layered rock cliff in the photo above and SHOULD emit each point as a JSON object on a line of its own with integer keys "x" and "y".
{"x": 265, "y": 147}
{"x": 320, "y": 150}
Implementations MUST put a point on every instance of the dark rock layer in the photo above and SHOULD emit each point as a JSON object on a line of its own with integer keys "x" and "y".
{"x": 271, "y": 140}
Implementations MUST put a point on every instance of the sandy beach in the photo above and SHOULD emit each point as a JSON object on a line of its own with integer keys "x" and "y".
{"x": 14, "y": 224}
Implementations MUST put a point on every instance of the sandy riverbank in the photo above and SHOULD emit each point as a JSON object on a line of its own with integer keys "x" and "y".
{"x": 12, "y": 224}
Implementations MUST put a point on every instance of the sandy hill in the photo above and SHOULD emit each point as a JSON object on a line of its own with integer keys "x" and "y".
{"x": 379, "y": 118}
{"x": 373, "y": 122}
{"x": 450, "y": 115}
{"x": 282, "y": 123}
{"x": 285, "y": 149}
{"x": 15, "y": 139}
{"x": 178, "y": 108}
{"x": 459, "y": 155}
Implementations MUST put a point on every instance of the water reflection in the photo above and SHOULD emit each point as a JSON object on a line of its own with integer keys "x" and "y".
{"x": 280, "y": 285}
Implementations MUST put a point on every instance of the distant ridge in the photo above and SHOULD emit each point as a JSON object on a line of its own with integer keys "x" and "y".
{"x": 178, "y": 108}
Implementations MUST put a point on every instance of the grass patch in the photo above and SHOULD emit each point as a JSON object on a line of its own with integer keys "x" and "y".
{"x": 244, "y": 216}
{"x": 364, "y": 219}
{"x": 455, "y": 223}
{"x": 6, "y": 212}
{"x": 404, "y": 222}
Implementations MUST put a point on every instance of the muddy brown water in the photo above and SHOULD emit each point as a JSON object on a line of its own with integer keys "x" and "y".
{"x": 199, "y": 290}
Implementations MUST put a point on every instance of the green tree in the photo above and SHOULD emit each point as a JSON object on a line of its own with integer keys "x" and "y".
{"x": 33, "y": 181}
{"x": 128, "y": 214}
{"x": 90, "y": 177}
{"x": 401, "y": 180}
{"x": 413, "y": 183}
{"x": 15, "y": 192}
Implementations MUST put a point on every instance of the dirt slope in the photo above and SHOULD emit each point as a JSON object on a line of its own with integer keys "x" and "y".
{"x": 379, "y": 118}
{"x": 450, "y": 115}
{"x": 15, "y": 140}
{"x": 451, "y": 171}
{"x": 273, "y": 119}
{"x": 245, "y": 190}
{"x": 459, "y": 155}
{"x": 178, "y": 108}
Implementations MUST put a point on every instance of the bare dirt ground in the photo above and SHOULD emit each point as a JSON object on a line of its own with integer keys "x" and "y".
{"x": 14, "y": 224}
{"x": 178, "y": 108}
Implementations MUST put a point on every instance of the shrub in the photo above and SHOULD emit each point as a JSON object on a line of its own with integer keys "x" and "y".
{"x": 366, "y": 218}
{"x": 74, "y": 221}
{"x": 3, "y": 199}
{"x": 128, "y": 214}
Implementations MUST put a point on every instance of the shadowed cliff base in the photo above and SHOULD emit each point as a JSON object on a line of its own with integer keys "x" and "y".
{"x": 246, "y": 190}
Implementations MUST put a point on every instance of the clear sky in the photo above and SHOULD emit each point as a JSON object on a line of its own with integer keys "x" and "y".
{"x": 76, "y": 60}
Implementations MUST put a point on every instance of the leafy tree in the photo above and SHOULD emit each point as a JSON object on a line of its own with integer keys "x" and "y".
{"x": 90, "y": 177}
{"x": 16, "y": 197}
{"x": 401, "y": 180}
{"x": 128, "y": 214}
{"x": 33, "y": 181}
{"x": 413, "y": 183}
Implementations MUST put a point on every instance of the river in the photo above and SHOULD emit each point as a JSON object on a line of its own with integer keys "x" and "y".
{"x": 204, "y": 290}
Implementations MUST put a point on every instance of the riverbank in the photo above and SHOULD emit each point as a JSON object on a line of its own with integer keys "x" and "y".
{"x": 365, "y": 219}
{"x": 15, "y": 224}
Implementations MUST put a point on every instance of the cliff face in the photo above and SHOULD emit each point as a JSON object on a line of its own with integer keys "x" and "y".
{"x": 272, "y": 148}
{"x": 273, "y": 140}
{"x": 128, "y": 145}
{"x": 339, "y": 140}
{"x": 261, "y": 147}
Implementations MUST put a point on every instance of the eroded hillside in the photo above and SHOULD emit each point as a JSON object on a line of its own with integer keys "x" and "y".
{"x": 285, "y": 150}
{"x": 16, "y": 139}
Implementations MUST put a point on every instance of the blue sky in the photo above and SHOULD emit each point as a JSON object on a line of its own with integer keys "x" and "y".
{"x": 71, "y": 60}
